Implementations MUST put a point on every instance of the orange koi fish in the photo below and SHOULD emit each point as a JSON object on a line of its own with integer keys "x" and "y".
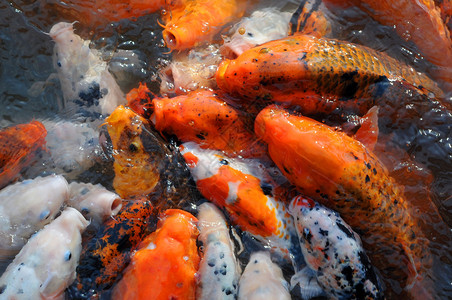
{"x": 341, "y": 173}
{"x": 165, "y": 265}
{"x": 416, "y": 21}
{"x": 106, "y": 255}
{"x": 98, "y": 12}
{"x": 245, "y": 192}
{"x": 203, "y": 117}
{"x": 300, "y": 69}
{"x": 197, "y": 21}
{"x": 17, "y": 145}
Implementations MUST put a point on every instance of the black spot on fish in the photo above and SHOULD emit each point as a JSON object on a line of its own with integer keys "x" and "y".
{"x": 367, "y": 178}
{"x": 348, "y": 273}
{"x": 200, "y": 136}
{"x": 350, "y": 84}
{"x": 59, "y": 64}
{"x": 381, "y": 85}
{"x": 323, "y": 232}
{"x": 250, "y": 34}
{"x": 211, "y": 262}
{"x": 307, "y": 235}
{"x": 345, "y": 230}
{"x": 91, "y": 95}
{"x": 266, "y": 188}
{"x": 133, "y": 148}
{"x": 221, "y": 255}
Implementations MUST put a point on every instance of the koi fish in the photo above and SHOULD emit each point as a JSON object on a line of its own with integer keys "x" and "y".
{"x": 242, "y": 189}
{"x": 341, "y": 173}
{"x": 27, "y": 206}
{"x": 333, "y": 252}
{"x": 205, "y": 118}
{"x": 195, "y": 22}
{"x": 88, "y": 87}
{"x": 262, "y": 26}
{"x": 416, "y": 21}
{"x": 46, "y": 264}
{"x": 262, "y": 279}
{"x": 300, "y": 69}
{"x": 97, "y": 13}
{"x": 18, "y": 144}
{"x": 192, "y": 70}
{"x": 219, "y": 269}
{"x": 145, "y": 165}
{"x": 108, "y": 252}
{"x": 309, "y": 18}
{"x": 166, "y": 263}
{"x": 95, "y": 202}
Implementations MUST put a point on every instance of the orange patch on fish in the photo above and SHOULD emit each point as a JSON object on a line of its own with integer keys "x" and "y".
{"x": 340, "y": 172}
{"x": 165, "y": 265}
{"x": 197, "y": 21}
{"x": 17, "y": 146}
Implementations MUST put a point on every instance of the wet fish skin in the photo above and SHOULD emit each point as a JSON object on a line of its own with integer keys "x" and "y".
{"x": 18, "y": 144}
{"x": 27, "y": 206}
{"x": 95, "y": 202}
{"x": 341, "y": 173}
{"x": 300, "y": 69}
{"x": 46, "y": 264}
{"x": 165, "y": 265}
{"x": 334, "y": 252}
{"x": 219, "y": 269}
{"x": 88, "y": 87}
{"x": 262, "y": 279}
{"x": 108, "y": 252}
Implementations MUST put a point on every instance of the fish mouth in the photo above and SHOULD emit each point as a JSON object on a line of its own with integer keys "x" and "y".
{"x": 171, "y": 39}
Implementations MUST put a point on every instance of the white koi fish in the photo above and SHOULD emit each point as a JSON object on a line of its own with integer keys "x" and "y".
{"x": 27, "y": 206}
{"x": 334, "y": 255}
{"x": 85, "y": 80}
{"x": 219, "y": 269}
{"x": 46, "y": 265}
{"x": 262, "y": 279}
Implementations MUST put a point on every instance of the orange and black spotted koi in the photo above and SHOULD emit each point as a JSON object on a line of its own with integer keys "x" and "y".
{"x": 344, "y": 175}
{"x": 106, "y": 254}
{"x": 317, "y": 74}
{"x": 17, "y": 146}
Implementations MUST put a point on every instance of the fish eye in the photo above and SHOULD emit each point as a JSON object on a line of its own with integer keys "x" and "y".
{"x": 133, "y": 147}
{"x": 67, "y": 255}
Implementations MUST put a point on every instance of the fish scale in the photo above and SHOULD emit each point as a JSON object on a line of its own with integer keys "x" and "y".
{"x": 341, "y": 173}
{"x": 293, "y": 69}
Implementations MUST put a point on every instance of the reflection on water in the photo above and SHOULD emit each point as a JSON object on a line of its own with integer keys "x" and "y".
{"x": 29, "y": 90}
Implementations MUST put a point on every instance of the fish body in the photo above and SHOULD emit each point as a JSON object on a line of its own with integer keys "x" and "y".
{"x": 192, "y": 70}
{"x": 239, "y": 187}
{"x": 18, "y": 144}
{"x": 219, "y": 269}
{"x": 339, "y": 172}
{"x": 165, "y": 265}
{"x": 108, "y": 252}
{"x": 334, "y": 252}
{"x": 300, "y": 69}
{"x": 95, "y": 202}
{"x": 203, "y": 117}
{"x": 46, "y": 264}
{"x": 262, "y": 26}
{"x": 195, "y": 22}
{"x": 88, "y": 87}
{"x": 262, "y": 279}
{"x": 27, "y": 206}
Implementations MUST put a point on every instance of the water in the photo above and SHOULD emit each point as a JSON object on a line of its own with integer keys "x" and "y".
{"x": 29, "y": 90}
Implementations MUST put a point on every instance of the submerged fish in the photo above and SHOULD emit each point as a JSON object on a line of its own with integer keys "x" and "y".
{"x": 300, "y": 69}
{"x": 340, "y": 172}
{"x": 190, "y": 71}
{"x": 219, "y": 269}
{"x": 195, "y": 22}
{"x": 333, "y": 253}
{"x": 262, "y": 26}
{"x": 108, "y": 252}
{"x": 17, "y": 146}
{"x": 95, "y": 202}
{"x": 46, "y": 264}
{"x": 27, "y": 206}
{"x": 262, "y": 279}
{"x": 88, "y": 87}
{"x": 165, "y": 265}
{"x": 242, "y": 189}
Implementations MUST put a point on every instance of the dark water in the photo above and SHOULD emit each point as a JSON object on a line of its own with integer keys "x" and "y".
{"x": 28, "y": 90}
